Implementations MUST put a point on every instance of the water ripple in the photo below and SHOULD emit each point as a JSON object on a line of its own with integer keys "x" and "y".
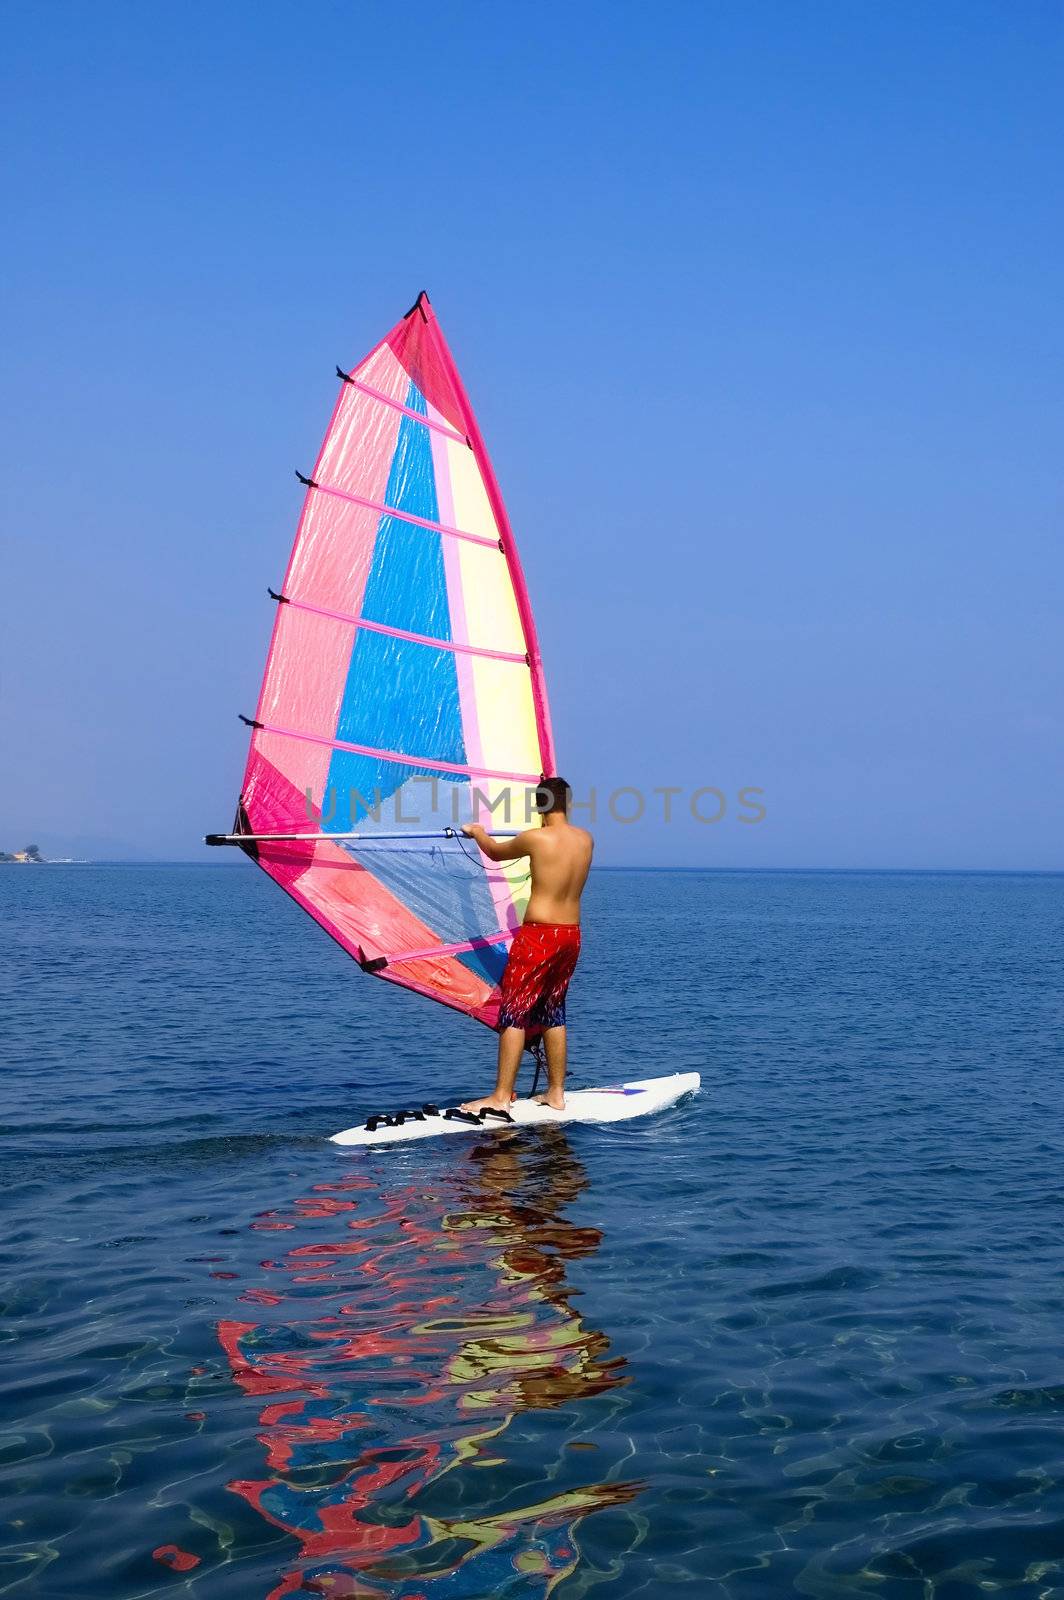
{"x": 801, "y": 1335}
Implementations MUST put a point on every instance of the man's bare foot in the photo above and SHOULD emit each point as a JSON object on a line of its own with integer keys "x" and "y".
{"x": 490, "y": 1102}
{"x": 555, "y": 1101}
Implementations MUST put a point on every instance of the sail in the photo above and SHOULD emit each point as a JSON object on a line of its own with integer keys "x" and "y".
{"x": 404, "y": 691}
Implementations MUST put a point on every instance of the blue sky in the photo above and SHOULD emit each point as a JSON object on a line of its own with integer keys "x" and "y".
{"x": 759, "y": 305}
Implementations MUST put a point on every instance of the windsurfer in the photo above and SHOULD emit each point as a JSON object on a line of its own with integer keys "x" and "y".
{"x": 545, "y": 948}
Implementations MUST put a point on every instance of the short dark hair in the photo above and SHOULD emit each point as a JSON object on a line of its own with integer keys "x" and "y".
{"x": 553, "y": 794}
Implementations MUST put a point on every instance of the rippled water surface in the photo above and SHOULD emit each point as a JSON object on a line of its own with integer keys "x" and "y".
{"x": 803, "y": 1334}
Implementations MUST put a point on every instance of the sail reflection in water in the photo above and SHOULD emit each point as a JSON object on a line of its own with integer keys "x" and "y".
{"x": 392, "y": 1357}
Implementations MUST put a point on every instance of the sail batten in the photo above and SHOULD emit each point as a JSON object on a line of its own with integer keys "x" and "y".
{"x": 394, "y": 511}
{"x": 386, "y": 399}
{"x": 400, "y": 757}
{"x": 402, "y": 633}
{"x": 502, "y": 937}
{"x": 390, "y": 686}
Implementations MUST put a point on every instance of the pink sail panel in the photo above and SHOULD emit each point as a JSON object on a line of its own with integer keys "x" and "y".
{"x": 403, "y": 678}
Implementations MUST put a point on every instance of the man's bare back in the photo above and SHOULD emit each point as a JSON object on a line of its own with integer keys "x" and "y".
{"x": 560, "y": 859}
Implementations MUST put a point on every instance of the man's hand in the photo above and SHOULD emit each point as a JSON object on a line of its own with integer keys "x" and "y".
{"x": 497, "y": 849}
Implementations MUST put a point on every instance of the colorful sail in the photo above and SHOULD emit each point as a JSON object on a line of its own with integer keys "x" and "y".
{"x": 404, "y": 691}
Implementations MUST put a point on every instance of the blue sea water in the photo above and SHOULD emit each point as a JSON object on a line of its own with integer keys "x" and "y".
{"x": 803, "y": 1334}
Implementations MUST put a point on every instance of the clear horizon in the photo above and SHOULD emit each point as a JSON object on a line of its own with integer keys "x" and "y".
{"x": 632, "y": 866}
{"x": 758, "y": 308}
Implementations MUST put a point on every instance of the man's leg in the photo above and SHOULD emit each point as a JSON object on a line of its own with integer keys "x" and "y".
{"x": 554, "y": 1043}
{"x": 511, "y": 1043}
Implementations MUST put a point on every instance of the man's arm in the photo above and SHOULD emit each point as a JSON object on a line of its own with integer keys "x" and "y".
{"x": 499, "y": 849}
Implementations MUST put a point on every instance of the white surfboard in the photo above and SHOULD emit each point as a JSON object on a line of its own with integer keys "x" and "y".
{"x": 616, "y": 1103}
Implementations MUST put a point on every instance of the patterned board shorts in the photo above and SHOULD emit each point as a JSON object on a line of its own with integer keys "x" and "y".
{"x": 534, "y": 984}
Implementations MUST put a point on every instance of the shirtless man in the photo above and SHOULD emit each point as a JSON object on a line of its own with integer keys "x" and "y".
{"x": 545, "y": 947}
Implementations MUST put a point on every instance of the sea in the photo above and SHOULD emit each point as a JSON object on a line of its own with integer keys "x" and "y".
{"x": 801, "y": 1334}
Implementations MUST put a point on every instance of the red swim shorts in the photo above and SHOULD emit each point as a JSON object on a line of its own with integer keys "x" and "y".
{"x": 542, "y": 958}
